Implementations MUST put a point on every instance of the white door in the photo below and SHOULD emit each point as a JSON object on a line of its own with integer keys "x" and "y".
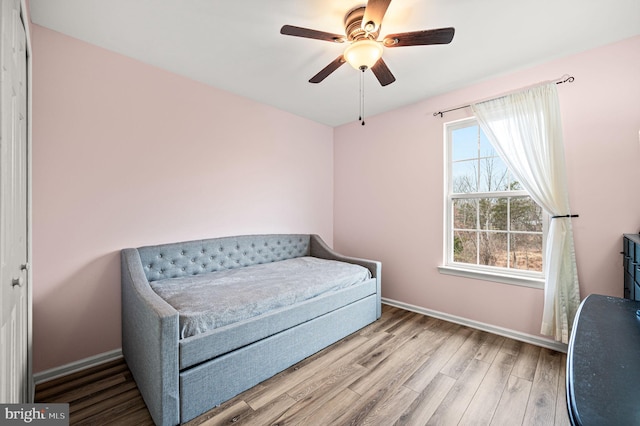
{"x": 14, "y": 291}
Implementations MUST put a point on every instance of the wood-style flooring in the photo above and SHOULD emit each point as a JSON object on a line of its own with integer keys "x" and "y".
{"x": 404, "y": 369}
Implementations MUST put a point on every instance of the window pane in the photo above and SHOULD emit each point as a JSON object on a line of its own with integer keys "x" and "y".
{"x": 500, "y": 230}
{"x": 493, "y": 249}
{"x": 464, "y": 144}
{"x": 526, "y": 252}
{"x": 465, "y": 214}
{"x": 486, "y": 149}
{"x": 464, "y": 247}
{"x": 514, "y": 185}
{"x": 494, "y": 175}
{"x": 526, "y": 215}
{"x": 493, "y": 213}
{"x": 465, "y": 176}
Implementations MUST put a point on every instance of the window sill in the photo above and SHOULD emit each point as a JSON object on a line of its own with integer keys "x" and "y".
{"x": 493, "y": 276}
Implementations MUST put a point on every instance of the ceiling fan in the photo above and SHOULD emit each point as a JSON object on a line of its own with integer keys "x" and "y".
{"x": 362, "y": 27}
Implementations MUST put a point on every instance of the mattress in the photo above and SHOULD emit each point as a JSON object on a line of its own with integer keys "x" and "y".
{"x": 208, "y": 301}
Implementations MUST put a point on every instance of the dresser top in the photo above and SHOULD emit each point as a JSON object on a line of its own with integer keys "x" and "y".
{"x": 633, "y": 237}
{"x": 603, "y": 368}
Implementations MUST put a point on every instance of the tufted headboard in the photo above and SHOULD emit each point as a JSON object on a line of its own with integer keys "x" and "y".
{"x": 197, "y": 257}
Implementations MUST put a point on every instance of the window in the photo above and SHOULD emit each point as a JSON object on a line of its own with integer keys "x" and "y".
{"x": 493, "y": 228}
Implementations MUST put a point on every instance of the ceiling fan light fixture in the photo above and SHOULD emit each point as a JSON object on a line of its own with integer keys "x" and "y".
{"x": 370, "y": 27}
{"x": 363, "y": 53}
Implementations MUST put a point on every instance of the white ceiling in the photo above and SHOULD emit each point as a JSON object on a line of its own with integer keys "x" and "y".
{"x": 236, "y": 45}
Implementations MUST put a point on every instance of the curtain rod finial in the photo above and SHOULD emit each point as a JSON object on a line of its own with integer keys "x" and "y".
{"x": 566, "y": 79}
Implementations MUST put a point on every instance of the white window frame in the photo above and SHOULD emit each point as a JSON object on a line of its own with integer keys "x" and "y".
{"x": 483, "y": 272}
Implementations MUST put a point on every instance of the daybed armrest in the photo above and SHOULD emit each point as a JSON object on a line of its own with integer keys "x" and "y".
{"x": 318, "y": 248}
{"x": 150, "y": 341}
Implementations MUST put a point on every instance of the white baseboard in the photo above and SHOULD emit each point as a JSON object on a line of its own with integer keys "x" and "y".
{"x": 512, "y": 334}
{"x": 83, "y": 364}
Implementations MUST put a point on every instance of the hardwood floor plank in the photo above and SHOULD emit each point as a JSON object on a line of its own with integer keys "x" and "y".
{"x": 438, "y": 359}
{"x": 527, "y": 362}
{"x": 386, "y": 373}
{"x": 309, "y": 403}
{"x": 98, "y": 387}
{"x": 426, "y": 403}
{"x": 381, "y": 352}
{"x": 397, "y": 367}
{"x": 304, "y": 370}
{"x": 107, "y": 410}
{"x": 391, "y": 408}
{"x": 134, "y": 417}
{"x": 452, "y": 408}
{"x": 386, "y": 322}
{"x": 409, "y": 322}
{"x": 490, "y": 348}
{"x": 62, "y": 386}
{"x": 541, "y": 408}
{"x": 101, "y": 395}
{"x": 486, "y": 399}
{"x": 326, "y": 379}
{"x": 412, "y": 327}
{"x": 387, "y": 313}
{"x": 382, "y": 382}
{"x": 268, "y": 413}
{"x": 41, "y": 387}
{"x": 362, "y": 407}
{"x": 562, "y": 417}
{"x": 511, "y": 346}
{"x": 513, "y": 402}
{"x": 465, "y": 354}
{"x": 232, "y": 412}
{"x": 335, "y": 409}
{"x": 441, "y": 326}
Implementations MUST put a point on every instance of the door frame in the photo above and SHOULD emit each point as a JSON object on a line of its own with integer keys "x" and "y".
{"x": 26, "y": 20}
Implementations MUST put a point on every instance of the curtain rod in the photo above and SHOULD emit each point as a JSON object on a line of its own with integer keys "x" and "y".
{"x": 564, "y": 79}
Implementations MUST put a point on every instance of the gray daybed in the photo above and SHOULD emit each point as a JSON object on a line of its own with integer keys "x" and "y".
{"x": 203, "y": 321}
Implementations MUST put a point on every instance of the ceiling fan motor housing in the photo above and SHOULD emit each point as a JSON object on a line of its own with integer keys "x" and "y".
{"x": 353, "y": 26}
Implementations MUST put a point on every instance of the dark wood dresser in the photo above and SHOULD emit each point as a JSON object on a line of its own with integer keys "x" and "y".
{"x": 631, "y": 263}
{"x": 603, "y": 363}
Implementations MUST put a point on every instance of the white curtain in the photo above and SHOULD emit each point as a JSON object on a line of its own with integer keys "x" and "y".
{"x": 525, "y": 129}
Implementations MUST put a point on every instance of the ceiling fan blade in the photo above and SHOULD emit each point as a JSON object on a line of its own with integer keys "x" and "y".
{"x": 373, "y": 13}
{"x": 314, "y": 34}
{"x": 418, "y": 38}
{"x": 324, "y": 73}
{"x": 382, "y": 73}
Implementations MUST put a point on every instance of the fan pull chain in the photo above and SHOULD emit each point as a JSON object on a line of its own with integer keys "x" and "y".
{"x": 361, "y": 118}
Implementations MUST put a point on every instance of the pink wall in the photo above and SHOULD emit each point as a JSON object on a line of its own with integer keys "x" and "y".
{"x": 125, "y": 155}
{"x": 389, "y": 187}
